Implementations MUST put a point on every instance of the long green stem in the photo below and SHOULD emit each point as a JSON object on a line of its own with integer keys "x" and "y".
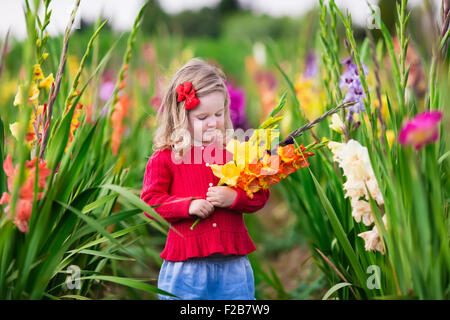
{"x": 83, "y": 60}
{"x": 55, "y": 89}
{"x": 127, "y": 56}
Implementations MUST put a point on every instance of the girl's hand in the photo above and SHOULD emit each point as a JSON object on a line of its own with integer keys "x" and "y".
{"x": 201, "y": 208}
{"x": 221, "y": 196}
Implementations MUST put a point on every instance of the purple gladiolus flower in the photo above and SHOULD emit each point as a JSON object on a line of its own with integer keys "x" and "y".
{"x": 237, "y": 106}
{"x": 421, "y": 130}
{"x": 355, "y": 92}
{"x": 310, "y": 65}
{"x": 106, "y": 90}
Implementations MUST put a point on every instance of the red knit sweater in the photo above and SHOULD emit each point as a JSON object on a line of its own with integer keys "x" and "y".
{"x": 224, "y": 231}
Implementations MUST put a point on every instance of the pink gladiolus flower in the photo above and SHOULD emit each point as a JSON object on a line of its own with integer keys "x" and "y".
{"x": 106, "y": 90}
{"x": 24, "y": 206}
{"x": 23, "y": 214}
{"x": 5, "y": 198}
{"x": 421, "y": 130}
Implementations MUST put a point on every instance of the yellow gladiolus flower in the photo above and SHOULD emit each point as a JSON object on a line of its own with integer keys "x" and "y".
{"x": 33, "y": 95}
{"x": 73, "y": 65}
{"x": 18, "y": 98}
{"x": 251, "y": 151}
{"x": 243, "y": 152}
{"x": 310, "y": 97}
{"x": 37, "y": 72}
{"x": 47, "y": 82}
{"x": 390, "y": 136}
{"x": 14, "y": 127}
{"x": 228, "y": 173}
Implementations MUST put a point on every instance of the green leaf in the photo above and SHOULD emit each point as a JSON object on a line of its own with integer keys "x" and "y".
{"x": 58, "y": 142}
{"x": 394, "y": 63}
{"x": 443, "y": 157}
{"x": 106, "y": 221}
{"x": 335, "y": 288}
{"x": 364, "y": 49}
{"x": 340, "y": 234}
{"x": 74, "y": 296}
{"x": 91, "y": 222}
{"x": 279, "y": 106}
{"x": 92, "y": 243}
{"x": 137, "y": 202}
{"x": 69, "y": 176}
{"x": 93, "y": 205}
{"x": 132, "y": 283}
{"x": 106, "y": 255}
{"x": 296, "y": 108}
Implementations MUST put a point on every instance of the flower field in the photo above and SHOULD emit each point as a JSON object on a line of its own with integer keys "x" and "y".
{"x": 359, "y": 205}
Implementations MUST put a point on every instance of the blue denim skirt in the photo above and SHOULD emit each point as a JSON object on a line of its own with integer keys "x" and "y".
{"x": 216, "y": 277}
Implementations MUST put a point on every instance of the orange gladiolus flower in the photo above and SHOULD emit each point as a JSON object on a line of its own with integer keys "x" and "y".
{"x": 271, "y": 164}
{"x": 286, "y": 169}
{"x": 254, "y": 169}
{"x": 267, "y": 181}
{"x": 249, "y": 184}
{"x": 287, "y": 153}
{"x": 301, "y": 161}
{"x": 88, "y": 113}
{"x": 119, "y": 113}
{"x": 269, "y": 169}
{"x": 75, "y": 123}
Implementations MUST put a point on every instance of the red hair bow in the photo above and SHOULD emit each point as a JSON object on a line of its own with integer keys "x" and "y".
{"x": 184, "y": 92}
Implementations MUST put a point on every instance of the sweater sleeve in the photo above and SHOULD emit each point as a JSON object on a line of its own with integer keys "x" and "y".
{"x": 243, "y": 203}
{"x": 157, "y": 180}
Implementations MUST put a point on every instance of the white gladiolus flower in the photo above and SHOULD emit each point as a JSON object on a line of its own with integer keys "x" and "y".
{"x": 361, "y": 209}
{"x": 337, "y": 149}
{"x": 354, "y": 160}
{"x": 372, "y": 239}
{"x": 355, "y": 189}
{"x": 375, "y": 192}
{"x": 336, "y": 123}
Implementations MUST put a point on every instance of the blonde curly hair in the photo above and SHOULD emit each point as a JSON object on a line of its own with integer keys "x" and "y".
{"x": 173, "y": 117}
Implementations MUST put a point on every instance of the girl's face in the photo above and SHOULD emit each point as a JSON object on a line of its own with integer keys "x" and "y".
{"x": 206, "y": 118}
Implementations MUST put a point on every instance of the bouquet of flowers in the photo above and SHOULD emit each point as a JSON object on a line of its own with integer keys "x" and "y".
{"x": 261, "y": 162}
{"x": 255, "y": 167}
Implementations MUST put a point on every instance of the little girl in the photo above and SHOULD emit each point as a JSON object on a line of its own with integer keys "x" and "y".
{"x": 208, "y": 261}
